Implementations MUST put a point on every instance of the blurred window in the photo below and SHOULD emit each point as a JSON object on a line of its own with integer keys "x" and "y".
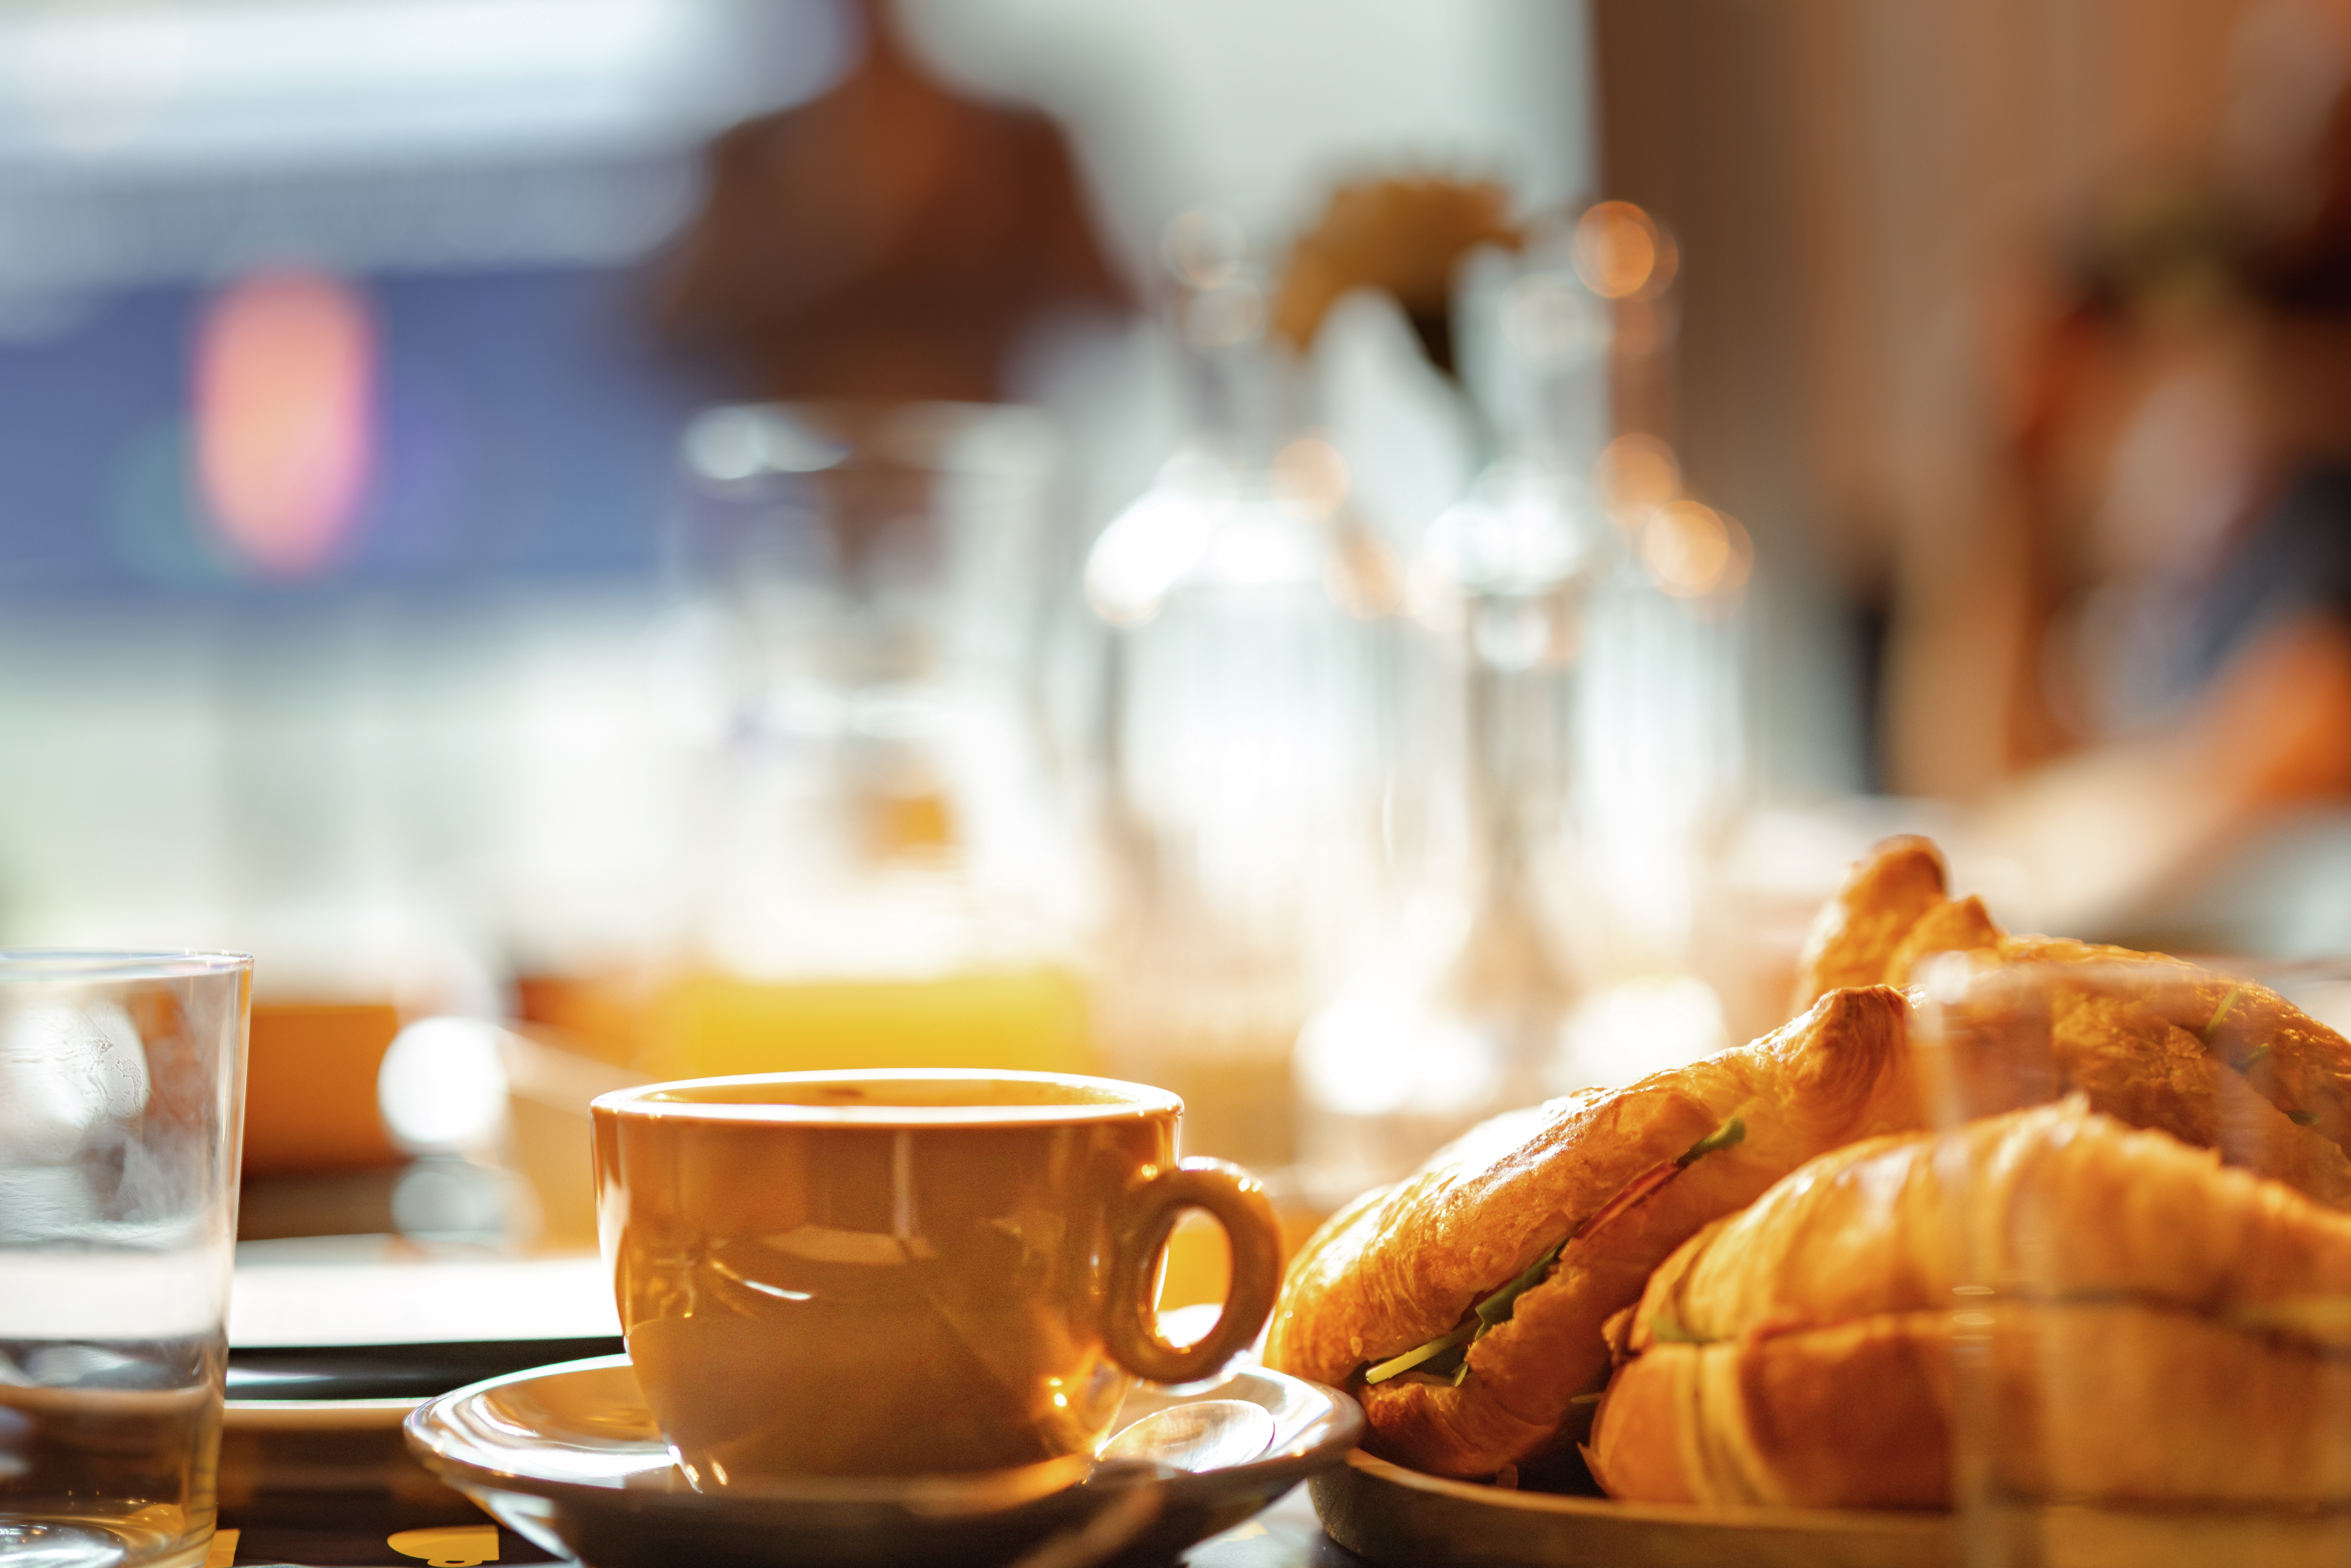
{"x": 349, "y": 292}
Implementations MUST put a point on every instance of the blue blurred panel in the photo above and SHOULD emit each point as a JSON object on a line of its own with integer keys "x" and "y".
{"x": 525, "y": 428}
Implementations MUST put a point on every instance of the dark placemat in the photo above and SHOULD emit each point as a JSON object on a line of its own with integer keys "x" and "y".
{"x": 395, "y": 1371}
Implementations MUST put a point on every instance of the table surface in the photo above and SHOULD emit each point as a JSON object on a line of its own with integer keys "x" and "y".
{"x": 338, "y": 1499}
{"x": 344, "y": 1529}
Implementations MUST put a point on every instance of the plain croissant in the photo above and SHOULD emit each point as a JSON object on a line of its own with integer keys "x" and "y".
{"x": 2210, "y": 1058}
{"x": 2153, "y": 1326}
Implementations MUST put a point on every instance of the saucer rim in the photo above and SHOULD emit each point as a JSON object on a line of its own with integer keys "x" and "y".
{"x": 1347, "y": 1428}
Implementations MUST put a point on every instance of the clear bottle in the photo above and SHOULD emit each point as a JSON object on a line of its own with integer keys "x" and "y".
{"x": 1458, "y": 1010}
{"x": 1247, "y": 726}
{"x": 1659, "y": 924}
{"x": 1461, "y": 1007}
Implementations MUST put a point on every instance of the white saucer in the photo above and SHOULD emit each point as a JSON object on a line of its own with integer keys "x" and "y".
{"x": 568, "y": 1457}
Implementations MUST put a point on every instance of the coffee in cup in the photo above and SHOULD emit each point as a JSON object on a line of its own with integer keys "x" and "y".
{"x": 885, "y": 1273}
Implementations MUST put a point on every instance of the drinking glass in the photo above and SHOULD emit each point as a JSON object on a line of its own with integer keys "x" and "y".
{"x": 2147, "y": 1353}
{"x": 122, "y": 1092}
{"x": 864, "y": 646}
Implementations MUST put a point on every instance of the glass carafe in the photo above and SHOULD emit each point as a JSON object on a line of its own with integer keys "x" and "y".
{"x": 1457, "y": 1010}
{"x": 1248, "y": 727}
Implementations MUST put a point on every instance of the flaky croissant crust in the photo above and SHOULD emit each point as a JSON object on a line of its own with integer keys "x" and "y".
{"x": 2158, "y": 1327}
{"x": 1403, "y": 1265}
{"x": 2159, "y": 1042}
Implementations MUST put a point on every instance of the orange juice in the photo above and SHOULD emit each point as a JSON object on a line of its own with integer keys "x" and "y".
{"x": 703, "y": 1023}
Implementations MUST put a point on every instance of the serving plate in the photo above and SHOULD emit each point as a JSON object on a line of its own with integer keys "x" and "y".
{"x": 1390, "y": 1514}
{"x": 568, "y": 1457}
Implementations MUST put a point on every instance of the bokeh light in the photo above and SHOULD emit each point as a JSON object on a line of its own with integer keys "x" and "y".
{"x": 1636, "y": 471}
{"x": 1309, "y": 477}
{"x": 1692, "y": 550}
{"x": 442, "y": 1084}
{"x": 1204, "y": 248}
{"x": 1149, "y": 548}
{"x": 285, "y": 394}
{"x": 1620, "y": 253}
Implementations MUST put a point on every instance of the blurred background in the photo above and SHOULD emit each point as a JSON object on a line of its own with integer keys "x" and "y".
{"x": 1368, "y": 562}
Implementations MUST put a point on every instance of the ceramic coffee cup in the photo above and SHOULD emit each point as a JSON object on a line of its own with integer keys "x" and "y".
{"x": 889, "y": 1273}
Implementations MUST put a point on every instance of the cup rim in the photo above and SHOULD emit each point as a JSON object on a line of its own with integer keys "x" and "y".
{"x": 51, "y": 965}
{"x": 1137, "y": 1101}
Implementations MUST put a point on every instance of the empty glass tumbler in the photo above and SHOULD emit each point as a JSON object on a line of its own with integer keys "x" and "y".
{"x": 2143, "y": 1273}
{"x": 122, "y": 1094}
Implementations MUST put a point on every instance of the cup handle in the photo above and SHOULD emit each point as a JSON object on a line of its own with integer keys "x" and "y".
{"x": 1232, "y": 1196}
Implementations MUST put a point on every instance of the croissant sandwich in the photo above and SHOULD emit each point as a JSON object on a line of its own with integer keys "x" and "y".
{"x": 2153, "y": 1326}
{"x": 1465, "y": 1305}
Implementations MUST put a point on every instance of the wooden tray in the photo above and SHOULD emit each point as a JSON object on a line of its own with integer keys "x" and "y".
{"x": 1391, "y": 1514}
